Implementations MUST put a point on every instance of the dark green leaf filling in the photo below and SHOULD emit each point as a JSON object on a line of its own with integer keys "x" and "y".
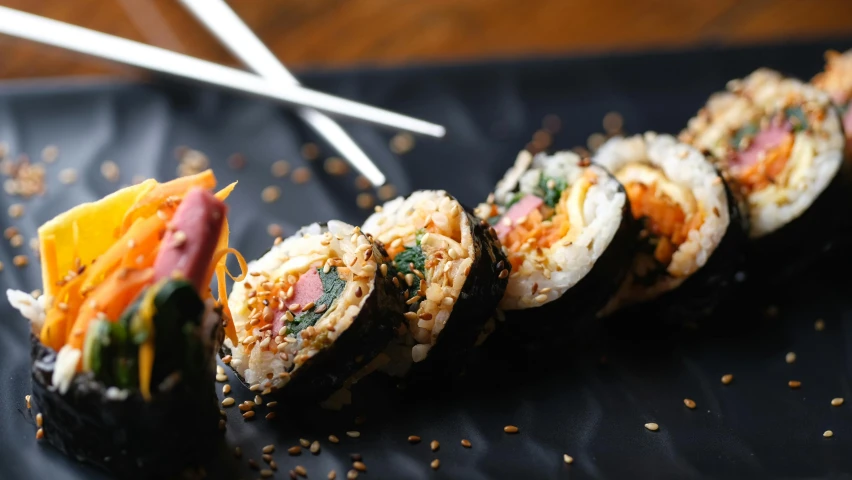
{"x": 748, "y": 130}
{"x": 516, "y": 197}
{"x": 332, "y": 288}
{"x": 405, "y": 259}
{"x": 797, "y": 118}
{"x": 551, "y": 195}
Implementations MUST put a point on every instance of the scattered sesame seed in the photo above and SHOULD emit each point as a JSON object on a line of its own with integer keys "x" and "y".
{"x": 595, "y": 141}
{"x": 20, "y": 261}
{"x": 17, "y": 240}
{"x": 50, "y": 153}
{"x": 790, "y": 357}
{"x": 503, "y": 274}
{"x": 301, "y": 175}
{"x": 835, "y": 402}
{"x": 295, "y": 450}
{"x": 568, "y": 459}
{"x": 466, "y": 443}
{"x": 365, "y": 200}
{"x": 551, "y": 123}
{"x": 401, "y": 143}
{"x": 689, "y": 403}
{"x": 237, "y": 161}
{"x": 351, "y": 475}
{"x": 652, "y": 426}
{"x": 333, "y": 439}
{"x": 612, "y": 123}
{"x": 272, "y": 404}
{"x": 828, "y": 434}
{"x": 794, "y": 384}
{"x": 315, "y": 447}
{"x": 29, "y": 405}
{"x": 228, "y": 402}
{"x": 252, "y": 464}
{"x": 362, "y": 183}
{"x": 305, "y": 442}
{"x": 435, "y": 464}
{"x": 413, "y": 439}
{"x": 310, "y": 151}
{"x": 819, "y": 325}
{"x": 221, "y": 424}
{"x": 434, "y": 445}
{"x": 226, "y": 389}
{"x": 280, "y": 168}
{"x": 248, "y": 415}
{"x": 353, "y": 434}
{"x": 356, "y": 457}
{"x": 39, "y": 434}
{"x": 270, "y": 194}
{"x": 332, "y": 475}
{"x": 300, "y": 470}
{"x": 510, "y": 429}
{"x": 727, "y": 379}
{"x": 110, "y": 171}
{"x": 67, "y": 176}
{"x": 39, "y": 420}
{"x": 274, "y": 230}
{"x": 359, "y": 466}
{"x": 258, "y": 400}
{"x": 266, "y": 473}
{"x": 386, "y": 192}
{"x": 16, "y": 210}
{"x": 335, "y": 166}
{"x": 270, "y": 416}
{"x": 221, "y": 377}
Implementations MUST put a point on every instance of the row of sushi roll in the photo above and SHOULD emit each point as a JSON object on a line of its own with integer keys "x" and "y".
{"x": 126, "y": 331}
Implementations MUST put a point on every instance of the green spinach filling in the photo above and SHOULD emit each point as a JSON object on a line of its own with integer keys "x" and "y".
{"x": 332, "y": 288}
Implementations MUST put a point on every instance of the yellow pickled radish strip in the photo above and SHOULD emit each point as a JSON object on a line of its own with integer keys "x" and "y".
{"x": 49, "y": 270}
{"x": 145, "y": 314}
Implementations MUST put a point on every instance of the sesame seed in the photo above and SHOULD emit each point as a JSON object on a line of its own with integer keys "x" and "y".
{"x": 503, "y": 274}
{"x": 434, "y": 445}
{"x": 794, "y": 384}
{"x": 356, "y": 457}
{"x": 269, "y": 449}
{"x": 270, "y": 194}
{"x": 17, "y": 240}
{"x": 29, "y": 405}
{"x": 110, "y": 171}
{"x": 301, "y": 175}
{"x": 274, "y": 230}
{"x": 222, "y": 424}
{"x": 835, "y": 402}
{"x": 295, "y": 450}
{"x": 413, "y": 439}
{"x": 270, "y": 415}
{"x": 541, "y": 298}
{"x": 435, "y": 464}
{"x": 652, "y": 426}
{"x": 332, "y": 475}
{"x": 266, "y": 473}
{"x": 40, "y": 434}
{"x": 351, "y": 475}
{"x": 353, "y": 434}
{"x": 335, "y": 166}
{"x": 315, "y": 447}
{"x": 248, "y": 415}
{"x": 365, "y": 200}
{"x": 310, "y": 151}
{"x": 226, "y": 389}
{"x": 178, "y": 238}
{"x": 272, "y": 404}
{"x": 828, "y": 434}
{"x": 237, "y": 161}
{"x": 300, "y": 470}
{"x": 39, "y": 420}
{"x": 727, "y": 379}
{"x": 252, "y": 464}
{"x": 689, "y": 403}
{"x": 280, "y": 168}
{"x": 510, "y": 429}
{"x": 819, "y": 325}
{"x": 221, "y": 378}
{"x": 228, "y": 402}
{"x": 466, "y": 443}
{"x": 50, "y": 153}
{"x": 16, "y": 210}
{"x": 305, "y": 442}
{"x": 790, "y": 357}
{"x": 359, "y": 466}
{"x": 568, "y": 459}
{"x": 333, "y": 439}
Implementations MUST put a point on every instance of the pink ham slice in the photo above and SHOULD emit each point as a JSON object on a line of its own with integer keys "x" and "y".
{"x": 189, "y": 245}
{"x": 307, "y": 289}
{"x": 763, "y": 142}
{"x": 521, "y": 209}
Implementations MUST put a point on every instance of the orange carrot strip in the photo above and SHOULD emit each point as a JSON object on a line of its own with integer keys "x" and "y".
{"x": 154, "y": 199}
{"x": 56, "y": 325}
{"x": 225, "y": 192}
{"x": 142, "y": 237}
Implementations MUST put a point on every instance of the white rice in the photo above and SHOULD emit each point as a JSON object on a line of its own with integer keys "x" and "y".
{"x": 816, "y": 155}
{"x": 594, "y": 220}
{"x": 275, "y": 355}
{"x": 33, "y": 309}
{"x": 692, "y": 183}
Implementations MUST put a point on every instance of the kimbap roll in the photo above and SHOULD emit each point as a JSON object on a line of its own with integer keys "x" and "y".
{"x": 780, "y": 142}
{"x": 836, "y": 79}
{"x": 313, "y": 311}
{"x": 452, "y": 271}
{"x": 691, "y": 230}
{"x": 566, "y": 228}
{"x": 125, "y": 335}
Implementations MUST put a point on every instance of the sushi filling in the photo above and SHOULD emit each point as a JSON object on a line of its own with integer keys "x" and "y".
{"x": 837, "y": 81}
{"x": 428, "y": 236}
{"x": 778, "y": 138}
{"x": 681, "y": 202}
{"x": 297, "y": 300}
{"x": 555, "y": 215}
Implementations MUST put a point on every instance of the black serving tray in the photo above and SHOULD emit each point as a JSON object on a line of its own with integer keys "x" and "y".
{"x": 588, "y": 396}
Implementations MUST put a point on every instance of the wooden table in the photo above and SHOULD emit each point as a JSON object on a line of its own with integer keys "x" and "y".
{"x": 340, "y": 33}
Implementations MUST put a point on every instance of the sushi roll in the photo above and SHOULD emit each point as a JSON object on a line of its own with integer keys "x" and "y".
{"x": 313, "y": 311}
{"x": 566, "y": 228}
{"x": 453, "y": 273}
{"x": 692, "y": 232}
{"x": 836, "y": 79}
{"x": 780, "y": 142}
{"x": 125, "y": 335}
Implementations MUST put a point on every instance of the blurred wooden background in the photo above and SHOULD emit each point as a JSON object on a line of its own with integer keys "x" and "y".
{"x": 340, "y": 33}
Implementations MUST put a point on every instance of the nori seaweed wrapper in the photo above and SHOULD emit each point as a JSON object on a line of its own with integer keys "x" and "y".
{"x": 367, "y": 336}
{"x": 482, "y": 291}
{"x": 130, "y": 438}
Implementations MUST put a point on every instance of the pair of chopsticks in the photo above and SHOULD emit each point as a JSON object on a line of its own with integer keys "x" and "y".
{"x": 273, "y": 80}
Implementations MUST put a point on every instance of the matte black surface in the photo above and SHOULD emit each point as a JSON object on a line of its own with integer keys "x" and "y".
{"x": 563, "y": 399}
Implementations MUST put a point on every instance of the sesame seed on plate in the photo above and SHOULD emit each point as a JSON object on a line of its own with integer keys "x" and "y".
{"x": 305, "y": 442}
{"x": 226, "y": 389}
{"x": 110, "y": 171}
{"x": 16, "y": 210}
{"x": 266, "y": 457}
{"x": 727, "y": 379}
{"x": 434, "y": 445}
{"x": 315, "y": 447}
{"x": 280, "y": 168}
{"x": 386, "y": 192}
{"x": 270, "y": 416}
{"x": 221, "y": 377}
{"x": 333, "y": 439}
{"x": 269, "y": 449}
{"x": 332, "y": 475}
{"x": 794, "y": 384}
{"x": 294, "y": 450}
{"x": 351, "y": 475}
{"x": 301, "y": 175}
{"x": 67, "y": 176}
{"x": 222, "y": 424}
{"x": 362, "y": 183}
{"x": 835, "y": 402}
{"x": 353, "y": 434}
{"x": 819, "y": 325}
{"x": 237, "y": 161}
{"x": 510, "y": 429}
{"x": 50, "y": 153}
{"x": 39, "y": 434}
{"x": 827, "y": 434}
{"x": 39, "y": 420}
{"x": 652, "y": 426}
{"x": 790, "y": 357}
{"x": 335, "y": 166}
{"x": 20, "y": 261}
{"x": 365, "y": 200}
{"x": 612, "y": 123}
{"x": 360, "y": 466}
{"x": 266, "y": 473}
{"x": 413, "y": 439}
{"x": 310, "y": 151}
{"x": 29, "y": 405}
{"x": 356, "y": 457}
{"x": 270, "y": 194}
{"x": 466, "y": 443}
{"x": 274, "y": 230}
{"x": 248, "y": 415}
{"x": 690, "y": 403}
{"x": 17, "y": 240}
{"x": 435, "y": 464}
{"x": 568, "y": 459}
{"x": 401, "y": 143}
{"x": 258, "y": 400}
{"x": 228, "y": 402}
{"x": 300, "y": 470}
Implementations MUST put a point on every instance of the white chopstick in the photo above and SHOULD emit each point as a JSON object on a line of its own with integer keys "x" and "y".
{"x": 227, "y": 26}
{"x": 82, "y": 40}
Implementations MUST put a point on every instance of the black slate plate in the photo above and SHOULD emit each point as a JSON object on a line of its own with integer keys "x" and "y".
{"x": 588, "y": 397}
